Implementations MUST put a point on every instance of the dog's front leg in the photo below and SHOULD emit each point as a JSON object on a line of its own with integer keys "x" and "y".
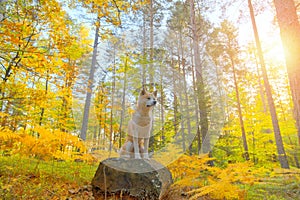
{"x": 146, "y": 145}
{"x": 136, "y": 148}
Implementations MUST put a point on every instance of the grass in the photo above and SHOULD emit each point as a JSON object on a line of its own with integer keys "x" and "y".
{"x": 278, "y": 187}
{"x": 25, "y": 178}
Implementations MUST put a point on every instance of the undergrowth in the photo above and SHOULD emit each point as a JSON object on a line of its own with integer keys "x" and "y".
{"x": 196, "y": 179}
{"x": 28, "y": 178}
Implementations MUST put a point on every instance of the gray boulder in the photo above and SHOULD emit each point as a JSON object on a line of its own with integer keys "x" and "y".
{"x": 131, "y": 179}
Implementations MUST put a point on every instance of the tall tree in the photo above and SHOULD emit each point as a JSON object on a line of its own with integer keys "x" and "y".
{"x": 199, "y": 80}
{"x": 151, "y": 46}
{"x": 106, "y": 12}
{"x": 245, "y": 145}
{"x": 290, "y": 36}
{"x": 90, "y": 85}
{"x": 123, "y": 98}
{"x": 178, "y": 25}
{"x": 278, "y": 138}
{"x": 231, "y": 48}
{"x": 37, "y": 55}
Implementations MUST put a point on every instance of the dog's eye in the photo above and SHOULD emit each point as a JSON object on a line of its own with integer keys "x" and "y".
{"x": 149, "y": 98}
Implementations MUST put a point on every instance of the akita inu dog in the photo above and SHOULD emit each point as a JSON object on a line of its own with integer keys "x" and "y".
{"x": 139, "y": 127}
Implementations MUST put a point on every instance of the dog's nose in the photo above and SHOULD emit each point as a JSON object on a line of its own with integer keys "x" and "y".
{"x": 154, "y": 102}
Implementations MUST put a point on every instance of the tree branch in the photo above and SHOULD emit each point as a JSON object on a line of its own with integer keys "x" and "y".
{"x": 119, "y": 11}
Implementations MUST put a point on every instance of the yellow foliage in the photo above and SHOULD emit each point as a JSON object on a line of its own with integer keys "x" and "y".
{"x": 44, "y": 144}
{"x": 130, "y": 111}
{"x": 187, "y": 169}
{"x": 204, "y": 180}
{"x": 218, "y": 190}
{"x": 7, "y": 139}
{"x": 2, "y": 114}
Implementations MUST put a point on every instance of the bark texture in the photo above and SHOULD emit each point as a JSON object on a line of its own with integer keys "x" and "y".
{"x": 278, "y": 138}
{"x": 290, "y": 36}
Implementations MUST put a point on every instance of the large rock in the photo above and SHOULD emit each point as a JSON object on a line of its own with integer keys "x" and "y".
{"x": 131, "y": 179}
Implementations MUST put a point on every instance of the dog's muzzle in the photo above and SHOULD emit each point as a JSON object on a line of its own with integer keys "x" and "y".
{"x": 152, "y": 104}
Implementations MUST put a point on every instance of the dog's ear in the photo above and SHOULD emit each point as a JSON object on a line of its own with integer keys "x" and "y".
{"x": 155, "y": 93}
{"x": 143, "y": 91}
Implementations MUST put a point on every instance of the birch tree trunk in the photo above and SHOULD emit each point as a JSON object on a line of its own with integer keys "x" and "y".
{"x": 290, "y": 36}
{"x": 113, "y": 88}
{"x": 144, "y": 51}
{"x": 123, "y": 103}
{"x": 280, "y": 148}
{"x": 151, "y": 66}
{"x": 89, "y": 91}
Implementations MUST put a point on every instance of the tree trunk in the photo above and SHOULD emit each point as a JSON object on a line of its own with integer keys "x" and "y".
{"x": 181, "y": 105}
{"x": 151, "y": 70}
{"x": 99, "y": 113}
{"x": 129, "y": 179}
{"x": 2, "y": 10}
{"x": 290, "y": 36}
{"x": 105, "y": 128}
{"x": 200, "y": 83}
{"x": 280, "y": 148}
{"x": 196, "y": 104}
{"x": 187, "y": 109}
{"x": 245, "y": 145}
{"x": 175, "y": 103}
{"x": 162, "y": 110}
{"x": 123, "y": 104}
{"x": 186, "y": 105}
{"x": 87, "y": 104}
{"x": 113, "y": 88}
{"x": 144, "y": 51}
{"x": 261, "y": 90}
{"x": 46, "y": 92}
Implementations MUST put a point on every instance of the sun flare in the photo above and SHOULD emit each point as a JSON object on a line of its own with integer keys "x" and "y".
{"x": 269, "y": 35}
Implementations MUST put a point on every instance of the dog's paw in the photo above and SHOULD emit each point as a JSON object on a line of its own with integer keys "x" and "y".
{"x": 146, "y": 156}
{"x": 137, "y": 156}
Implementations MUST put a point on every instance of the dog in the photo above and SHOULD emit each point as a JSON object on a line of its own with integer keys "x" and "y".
{"x": 139, "y": 127}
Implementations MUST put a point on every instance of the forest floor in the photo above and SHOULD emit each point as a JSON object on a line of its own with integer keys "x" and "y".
{"x": 24, "y": 178}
